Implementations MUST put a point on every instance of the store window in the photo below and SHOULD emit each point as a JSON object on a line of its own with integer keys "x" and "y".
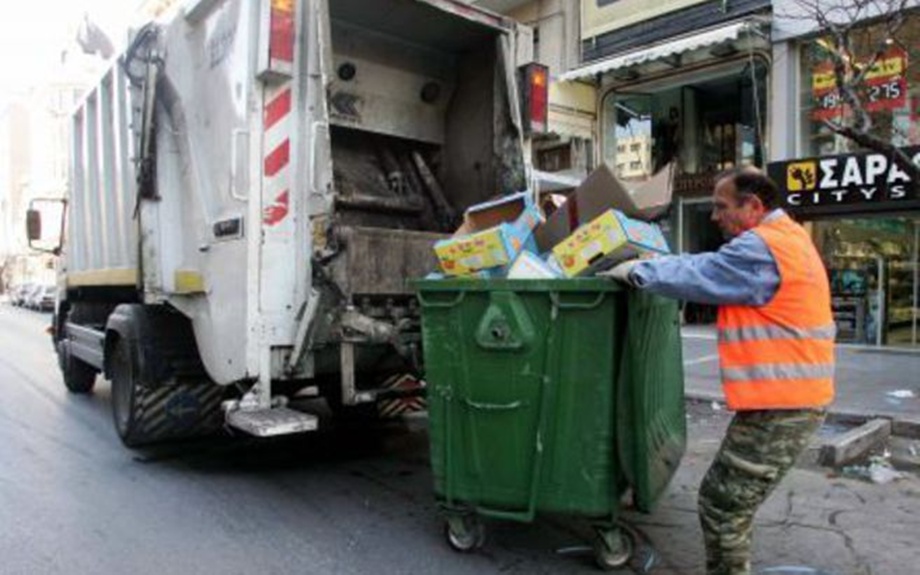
{"x": 701, "y": 126}
{"x": 576, "y": 155}
{"x": 873, "y": 267}
{"x": 870, "y": 247}
{"x": 700, "y": 123}
{"x": 554, "y": 159}
{"x": 890, "y": 93}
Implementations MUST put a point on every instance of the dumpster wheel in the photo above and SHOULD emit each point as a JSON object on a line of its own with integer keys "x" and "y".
{"x": 613, "y": 547}
{"x": 465, "y": 533}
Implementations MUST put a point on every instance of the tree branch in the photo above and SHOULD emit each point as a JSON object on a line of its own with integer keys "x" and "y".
{"x": 900, "y": 158}
{"x": 847, "y": 28}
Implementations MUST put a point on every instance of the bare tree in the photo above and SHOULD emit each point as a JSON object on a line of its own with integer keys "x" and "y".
{"x": 855, "y": 36}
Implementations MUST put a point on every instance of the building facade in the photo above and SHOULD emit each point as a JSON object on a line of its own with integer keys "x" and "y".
{"x": 862, "y": 208}
{"x": 34, "y": 163}
{"x": 567, "y": 149}
{"x": 692, "y": 78}
{"x": 15, "y": 146}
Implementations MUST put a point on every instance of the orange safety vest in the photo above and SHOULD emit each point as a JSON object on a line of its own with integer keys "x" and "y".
{"x": 781, "y": 355}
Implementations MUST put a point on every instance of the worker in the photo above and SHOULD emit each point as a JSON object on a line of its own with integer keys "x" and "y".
{"x": 776, "y": 350}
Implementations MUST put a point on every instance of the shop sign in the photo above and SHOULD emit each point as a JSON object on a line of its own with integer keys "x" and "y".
{"x": 885, "y": 86}
{"x": 848, "y": 183}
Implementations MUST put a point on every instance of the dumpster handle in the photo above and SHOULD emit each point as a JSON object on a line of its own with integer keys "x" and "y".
{"x": 547, "y": 398}
{"x": 494, "y": 406}
{"x": 557, "y": 301}
{"x": 536, "y": 470}
{"x": 445, "y": 304}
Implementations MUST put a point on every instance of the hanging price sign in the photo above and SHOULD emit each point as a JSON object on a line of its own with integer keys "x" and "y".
{"x": 884, "y": 86}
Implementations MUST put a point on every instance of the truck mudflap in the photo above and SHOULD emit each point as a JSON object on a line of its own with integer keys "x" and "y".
{"x": 401, "y": 395}
{"x": 159, "y": 388}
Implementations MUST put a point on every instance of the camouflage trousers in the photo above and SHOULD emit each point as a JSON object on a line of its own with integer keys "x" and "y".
{"x": 758, "y": 449}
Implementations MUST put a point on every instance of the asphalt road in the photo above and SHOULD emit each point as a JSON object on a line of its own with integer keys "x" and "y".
{"x": 74, "y": 501}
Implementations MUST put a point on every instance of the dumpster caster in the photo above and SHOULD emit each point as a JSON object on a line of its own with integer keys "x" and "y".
{"x": 464, "y": 533}
{"x": 613, "y": 548}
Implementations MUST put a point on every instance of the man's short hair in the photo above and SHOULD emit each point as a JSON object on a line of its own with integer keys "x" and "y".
{"x": 751, "y": 182}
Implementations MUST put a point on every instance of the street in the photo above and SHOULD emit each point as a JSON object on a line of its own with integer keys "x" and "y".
{"x": 285, "y": 229}
{"x": 869, "y": 381}
{"x": 73, "y": 500}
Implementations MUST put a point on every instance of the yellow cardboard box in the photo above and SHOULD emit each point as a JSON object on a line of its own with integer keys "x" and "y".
{"x": 609, "y": 237}
{"x": 492, "y": 235}
{"x": 468, "y": 254}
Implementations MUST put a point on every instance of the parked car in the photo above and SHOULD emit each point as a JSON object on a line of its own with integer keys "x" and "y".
{"x": 45, "y": 299}
{"x": 21, "y": 294}
{"x": 32, "y": 299}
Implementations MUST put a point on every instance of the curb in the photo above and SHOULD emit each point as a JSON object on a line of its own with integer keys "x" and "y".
{"x": 853, "y": 444}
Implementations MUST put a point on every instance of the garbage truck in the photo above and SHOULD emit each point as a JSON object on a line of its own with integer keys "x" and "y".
{"x": 254, "y": 184}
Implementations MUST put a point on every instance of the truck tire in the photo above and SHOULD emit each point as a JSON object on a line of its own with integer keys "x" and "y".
{"x": 158, "y": 405}
{"x": 128, "y": 397}
{"x": 79, "y": 376}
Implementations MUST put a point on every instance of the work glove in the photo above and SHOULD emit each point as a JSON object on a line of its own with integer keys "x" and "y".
{"x": 621, "y": 272}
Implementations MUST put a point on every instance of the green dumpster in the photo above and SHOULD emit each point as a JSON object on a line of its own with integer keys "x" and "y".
{"x": 552, "y": 396}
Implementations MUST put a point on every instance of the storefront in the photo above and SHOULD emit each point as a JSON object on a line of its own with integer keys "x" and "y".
{"x": 694, "y": 105}
{"x": 862, "y": 207}
{"x": 864, "y": 215}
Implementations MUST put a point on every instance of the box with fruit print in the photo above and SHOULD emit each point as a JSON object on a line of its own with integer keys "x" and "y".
{"x": 492, "y": 235}
{"x": 605, "y": 240}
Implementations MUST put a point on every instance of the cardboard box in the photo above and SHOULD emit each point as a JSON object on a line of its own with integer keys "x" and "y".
{"x": 492, "y": 235}
{"x": 600, "y": 192}
{"x": 646, "y": 200}
{"x": 528, "y": 266}
{"x": 610, "y": 238}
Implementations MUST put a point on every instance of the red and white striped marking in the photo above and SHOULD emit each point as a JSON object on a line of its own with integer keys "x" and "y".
{"x": 276, "y": 118}
{"x": 276, "y": 169}
{"x": 395, "y": 407}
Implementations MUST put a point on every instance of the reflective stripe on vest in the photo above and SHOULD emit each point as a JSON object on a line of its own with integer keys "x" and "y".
{"x": 777, "y": 371}
{"x": 781, "y": 355}
{"x": 816, "y": 351}
{"x": 761, "y": 332}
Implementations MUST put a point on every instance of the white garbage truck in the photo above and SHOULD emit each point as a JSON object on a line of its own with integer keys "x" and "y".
{"x": 254, "y": 184}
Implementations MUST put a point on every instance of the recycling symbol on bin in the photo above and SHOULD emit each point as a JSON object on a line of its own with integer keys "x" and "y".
{"x": 505, "y": 325}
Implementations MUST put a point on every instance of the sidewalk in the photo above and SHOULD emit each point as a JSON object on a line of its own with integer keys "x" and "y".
{"x": 870, "y": 382}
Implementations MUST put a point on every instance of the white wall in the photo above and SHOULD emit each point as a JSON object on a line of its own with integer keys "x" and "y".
{"x": 784, "y": 105}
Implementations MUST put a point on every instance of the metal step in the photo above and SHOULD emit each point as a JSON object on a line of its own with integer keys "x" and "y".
{"x": 271, "y": 422}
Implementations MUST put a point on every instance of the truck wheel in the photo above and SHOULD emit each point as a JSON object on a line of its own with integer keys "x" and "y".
{"x": 79, "y": 376}
{"x": 127, "y": 396}
{"x": 171, "y": 410}
{"x": 160, "y": 390}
